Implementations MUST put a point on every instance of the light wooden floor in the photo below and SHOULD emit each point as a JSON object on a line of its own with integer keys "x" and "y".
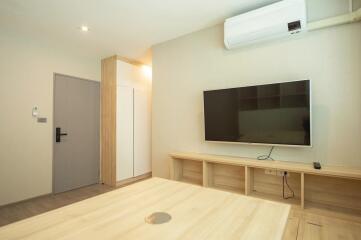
{"x": 302, "y": 225}
{"x": 325, "y": 225}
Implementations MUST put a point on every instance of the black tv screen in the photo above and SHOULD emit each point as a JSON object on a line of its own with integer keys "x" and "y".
{"x": 275, "y": 114}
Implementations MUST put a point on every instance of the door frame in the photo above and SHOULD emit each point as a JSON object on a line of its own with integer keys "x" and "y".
{"x": 53, "y": 129}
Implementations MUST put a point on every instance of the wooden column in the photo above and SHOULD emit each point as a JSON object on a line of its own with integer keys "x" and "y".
{"x": 205, "y": 174}
{"x": 108, "y": 120}
{"x": 176, "y": 169}
{"x": 302, "y": 190}
{"x": 248, "y": 180}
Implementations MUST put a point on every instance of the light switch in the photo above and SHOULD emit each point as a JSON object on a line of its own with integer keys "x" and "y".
{"x": 35, "y": 111}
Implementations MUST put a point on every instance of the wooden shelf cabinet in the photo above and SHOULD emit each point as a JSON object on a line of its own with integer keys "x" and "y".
{"x": 331, "y": 188}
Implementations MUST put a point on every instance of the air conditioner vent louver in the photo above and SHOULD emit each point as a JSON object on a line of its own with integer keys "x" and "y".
{"x": 293, "y": 26}
{"x": 277, "y": 20}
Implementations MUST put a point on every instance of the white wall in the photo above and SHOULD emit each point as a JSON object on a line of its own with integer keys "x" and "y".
{"x": 184, "y": 67}
{"x": 26, "y": 79}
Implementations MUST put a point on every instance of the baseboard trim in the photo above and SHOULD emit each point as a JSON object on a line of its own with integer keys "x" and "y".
{"x": 25, "y": 200}
{"x": 128, "y": 181}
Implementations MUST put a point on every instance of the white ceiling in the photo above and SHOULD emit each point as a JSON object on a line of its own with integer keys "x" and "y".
{"x": 124, "y": 27}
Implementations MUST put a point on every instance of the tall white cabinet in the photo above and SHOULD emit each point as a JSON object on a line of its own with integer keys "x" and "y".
{"x": 126, "y": 154}
{"x": 125, "y": 133}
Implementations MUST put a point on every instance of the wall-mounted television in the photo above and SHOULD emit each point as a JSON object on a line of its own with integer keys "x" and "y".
{"x": 270, "y": 114}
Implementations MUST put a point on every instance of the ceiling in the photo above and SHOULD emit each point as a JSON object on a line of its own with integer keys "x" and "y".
{"x": 124, "y": 27}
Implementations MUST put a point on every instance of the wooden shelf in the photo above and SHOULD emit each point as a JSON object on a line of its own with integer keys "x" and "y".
{"x": 333, "y": 171}
{"x": 276, "y": 198}
{"x": 225, "y": 177}
{"x": 191, "y": 181}
{"x": 331, "y": 208}
{"x": 331, "y": 187}
{"x": 187, "y": 171}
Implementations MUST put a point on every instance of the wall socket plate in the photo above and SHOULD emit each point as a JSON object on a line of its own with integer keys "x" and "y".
{"x": 275, "y": 172}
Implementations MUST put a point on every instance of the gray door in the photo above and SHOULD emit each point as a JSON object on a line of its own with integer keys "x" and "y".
{"x": 76, "y": 118}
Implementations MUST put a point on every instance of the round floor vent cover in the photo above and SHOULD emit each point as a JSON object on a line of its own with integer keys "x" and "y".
{"x": 158, "y": 218}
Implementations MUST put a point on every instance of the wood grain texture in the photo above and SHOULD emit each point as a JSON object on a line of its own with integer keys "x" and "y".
{"x": 176, "y": 169}
{"x": 303, "y": 225}
{"x": 292, "y": 228}
{"x": 197, "y": 213}
{"x": 132, "y": 180}
{"x": 333, "y": 188}
{"x": 342, "y": 226}
{"x": 28, "y": 208}
{"x": 344, "y": 194}
{"x": 248, "y": 180}
{"x": 108, "y": 120}
{"x": 231, "y": 178}
{"x": 302, "y": 190}
{"x": 335, "y": 171}
{"x": 206, "y": 174}
{"x": 192, "y": 172}
{"x": 128, "y": 60}
{"x": 272, "y": 185}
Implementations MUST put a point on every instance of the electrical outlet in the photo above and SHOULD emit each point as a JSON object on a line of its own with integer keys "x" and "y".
{"x": 276, "y": 172}
{"x": 270, "y": 172}
{"x": 282, "y": 173}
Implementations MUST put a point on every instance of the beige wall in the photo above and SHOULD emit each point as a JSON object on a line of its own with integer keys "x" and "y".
{"x": 26, "y": 79}
{"x": 184, "y": 67}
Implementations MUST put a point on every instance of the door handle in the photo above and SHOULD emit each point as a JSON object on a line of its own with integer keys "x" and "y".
{"x": 58, "y": 134}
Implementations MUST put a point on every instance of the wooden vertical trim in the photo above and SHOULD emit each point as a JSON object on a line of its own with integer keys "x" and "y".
{"x": 248, "y": 180}
{"x": 210, "y": 173}
{"x": 302, "y": 190}
{"x": 176, "y": 169}
{"x": 108, "y": 120}
{"x": 205, "y": 174}
{"x": 172, "y": 169}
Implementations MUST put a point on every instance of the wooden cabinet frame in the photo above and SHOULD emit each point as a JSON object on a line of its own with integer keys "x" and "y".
{"x": 108, "y": 139}
{"x": 344, "y": 181}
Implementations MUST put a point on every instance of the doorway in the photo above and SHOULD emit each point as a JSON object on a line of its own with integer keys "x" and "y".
{"x": 76, "y": 133}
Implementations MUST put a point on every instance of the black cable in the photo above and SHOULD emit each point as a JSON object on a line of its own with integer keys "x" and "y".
{"x": 284, "y": 180}
{"x": 288, "y": 186}
{"x": 266, "y": 157}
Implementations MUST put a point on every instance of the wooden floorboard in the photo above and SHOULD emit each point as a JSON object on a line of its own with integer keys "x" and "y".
{"x": 307, "y": 225}
{"x": 302, "y": 224}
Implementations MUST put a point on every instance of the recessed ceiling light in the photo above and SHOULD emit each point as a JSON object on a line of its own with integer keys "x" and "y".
{"x": 84, "y": 28}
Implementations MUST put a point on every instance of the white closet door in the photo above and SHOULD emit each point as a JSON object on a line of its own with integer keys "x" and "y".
{"x": 142, "y": 132}
{"x": 124, "y": 132}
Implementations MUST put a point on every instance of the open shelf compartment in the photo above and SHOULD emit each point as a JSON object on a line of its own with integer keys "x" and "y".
{"x": 224, "y": 177}
{"x": 270, "y": 187}
{"x": 332, "y": 189}
{"x": 335, "y": 194}
{"x": 188, "y": 171}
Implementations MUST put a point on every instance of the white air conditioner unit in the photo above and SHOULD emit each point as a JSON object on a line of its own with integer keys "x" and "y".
{"x": 277, "y": 20}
